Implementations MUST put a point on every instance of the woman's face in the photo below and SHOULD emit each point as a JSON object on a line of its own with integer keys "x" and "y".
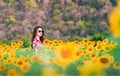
{"x": 39, "y": 32}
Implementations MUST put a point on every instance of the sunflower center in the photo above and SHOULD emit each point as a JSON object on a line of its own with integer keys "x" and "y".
{"x": 2, "y": 67}
{"x": 65, "y": 53}
{"x": 99, "y": 47}
{"x": 104, "y": 60}
{"x": 90, "y": 49}
{"x": 107, "y": 48}
{"x": 20, "y": 63}
{"x": 78, "y": 53}
{"x": 0, "y": 56}
{"x": 93, "y": 55}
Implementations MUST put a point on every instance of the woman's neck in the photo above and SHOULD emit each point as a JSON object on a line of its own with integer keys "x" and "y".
{"x": 37, "y": 37}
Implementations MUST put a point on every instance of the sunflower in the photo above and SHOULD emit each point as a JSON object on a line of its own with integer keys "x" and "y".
{"x": 85, "y": 52}
{"x": 1, "y": 49}
{"x": 105, "y": 41}
{"x": 9, "y": 60}
{"x": 65, "y": 54}
{"x": 12, "y": 55}
{"x": 12, "y": 72}
{"x": 111, "y": 59}
{"x": 15, "y": 61}
{"x": 90, "y": 43}
{"x": 20, "y": 43}
{"x": 8, "y": 49}
{"x": 25, "y": 67}
{"x": 1, "y": 56}
{"x": 99, "y": 43}
{"x": 85, "y": 40}
{"x": 112, "y": 45}
{"x": 20, "y": 63}
{"x": 82, "y": 44}
{"x": 22, "y": 58}
{"x": 116, "y": 65}
{"x": 98, "y": 47}
{"x": 2, "y": 67}
{"x": 14, "y": 45}
{"x": 94, "y": 55}
{"x": 104, "y": 61}
{"x": 114, "y": 20}
{"x": 85, "y": 59}
{"x": 76, "y": 42}
{"x": 90, "y": 49}
{"x": 4, "y": 61}
{"x": 3, "y": 46}
{"x": 50, "y": 42}
{"x": 46, "y": 42}
{"x": 106, "y": 48}
{"x": 60, "y": 41}
{"x": 79, "y": 53}
{"x": 55, "y": 41}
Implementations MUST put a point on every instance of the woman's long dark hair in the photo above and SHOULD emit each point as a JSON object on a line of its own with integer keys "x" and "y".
{"x": 35, "y": 33}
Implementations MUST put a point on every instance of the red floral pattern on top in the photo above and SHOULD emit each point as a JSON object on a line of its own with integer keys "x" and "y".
{"x": 36, "y": 42}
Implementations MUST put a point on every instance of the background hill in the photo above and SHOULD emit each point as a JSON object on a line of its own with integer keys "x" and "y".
{"x": 61, "y": 19}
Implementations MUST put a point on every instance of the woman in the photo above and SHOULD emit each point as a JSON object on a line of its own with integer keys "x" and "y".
{"x": 37, "y": 38}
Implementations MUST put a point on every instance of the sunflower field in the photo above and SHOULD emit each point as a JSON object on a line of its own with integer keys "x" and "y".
{"x": 58, "y": 58}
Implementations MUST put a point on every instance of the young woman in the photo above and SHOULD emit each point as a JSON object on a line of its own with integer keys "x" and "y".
{"x": 37, "y": 38}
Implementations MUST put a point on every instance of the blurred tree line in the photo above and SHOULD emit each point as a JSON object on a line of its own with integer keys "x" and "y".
{"x": 61, "y": 19}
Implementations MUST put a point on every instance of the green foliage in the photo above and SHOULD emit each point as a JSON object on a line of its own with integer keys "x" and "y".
{"x": 6, "y": 56}
{"x": 24, "y": 53}
{"x": 56, "y": 19}
{"x": 8, "y": 1}
{"x": 96, "y": 4}
{"x": 111, "y": 72}
{"x": 81, "y": 23}
{"x": 79, "y": 61}
{"x": 113, "y": 2}
{"x": 116, "y": 53}
{"x": 93, "y": 74}
{"x": 35, "y": 70}
{"x": 56, "y": 11}
{"x": 32, "y": 3}
{"x": 4, "y": 42}
{"x": 10, "y": 20}
{"x": 113, "y": 39}
{"x": 57, "y": 68}
{"x": 70, "y": 22}
{"x": 71, "y": 70}
{"x": 26, "y": 43}
{"x": 67, "y": 16}
{"x": 46, "y": 54}
{"x": 97, "y": 37}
